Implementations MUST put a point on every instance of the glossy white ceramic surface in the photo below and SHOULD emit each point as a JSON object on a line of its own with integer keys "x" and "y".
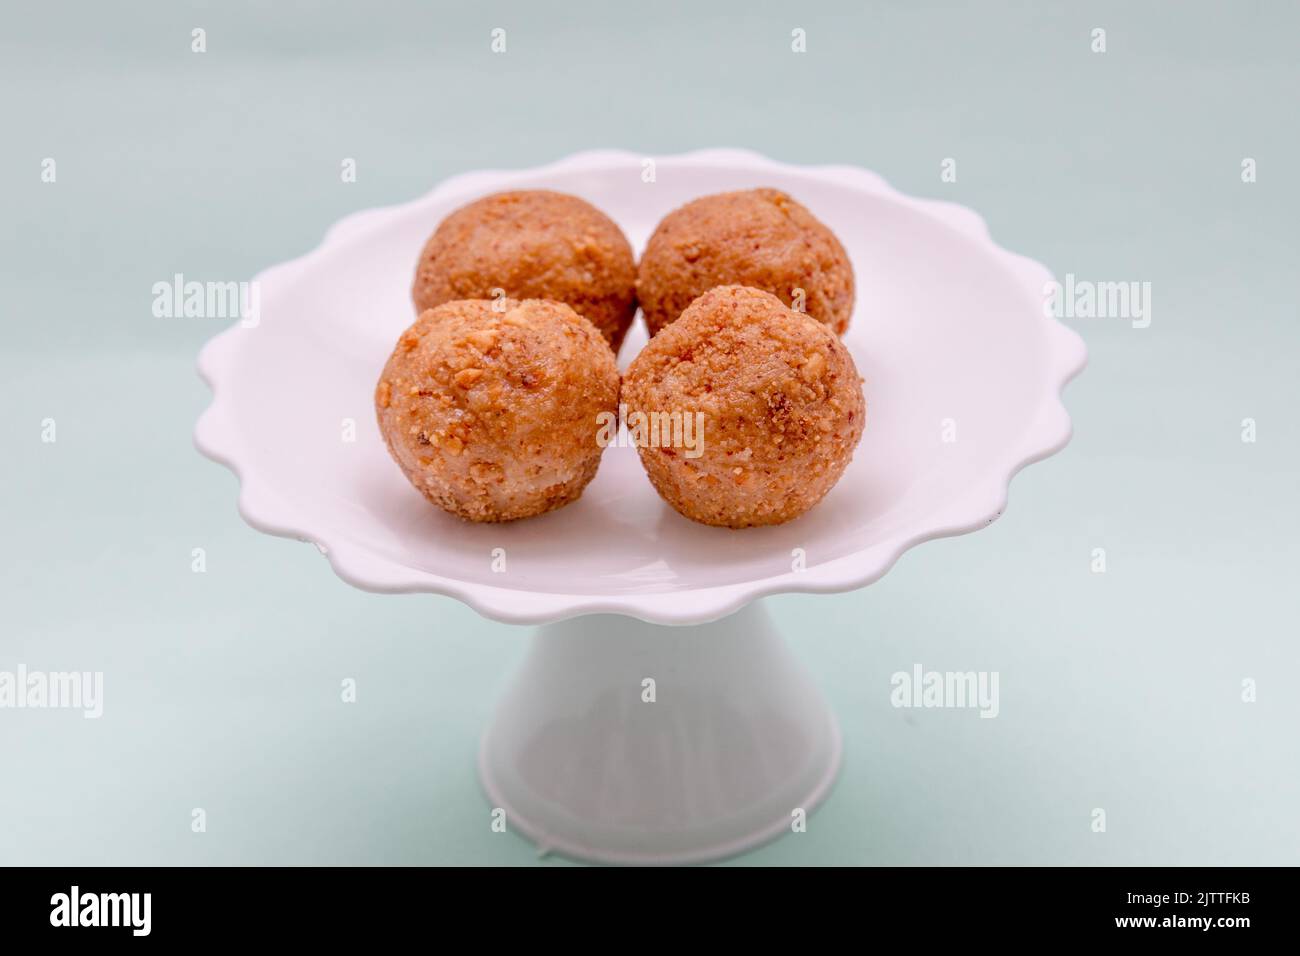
{"x": 949, "y": 333}
{"x": 736, "y": 747}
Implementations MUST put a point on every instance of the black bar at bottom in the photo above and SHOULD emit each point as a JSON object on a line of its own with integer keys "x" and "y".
{"x": 211, "y": 905}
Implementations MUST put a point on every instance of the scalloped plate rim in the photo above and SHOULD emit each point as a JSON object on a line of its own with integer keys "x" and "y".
{"x": 1050, "y": 433}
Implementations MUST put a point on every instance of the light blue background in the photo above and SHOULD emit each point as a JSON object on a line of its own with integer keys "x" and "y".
{"x": 1119, "y": 690}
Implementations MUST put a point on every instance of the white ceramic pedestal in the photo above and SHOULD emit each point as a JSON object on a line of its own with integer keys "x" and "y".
{"x": 951, "y": 338}
{"x": 736, "y": 739}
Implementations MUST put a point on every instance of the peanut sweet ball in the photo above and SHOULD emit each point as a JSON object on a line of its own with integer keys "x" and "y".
{"x": 532, "y": 244}
{"x": 779, "y": 405}
{"x": 490, "y": 408}
{"x": 759, "y": 238}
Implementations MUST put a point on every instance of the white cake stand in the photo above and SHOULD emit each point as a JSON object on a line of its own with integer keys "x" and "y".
{"x": 622, "y": 739}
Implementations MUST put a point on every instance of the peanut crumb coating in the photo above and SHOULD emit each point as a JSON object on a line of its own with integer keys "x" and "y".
{"x": 491, "y": 408}
{"x": 781, "y": 400}
{"x": 532, "y": 244}
{"x": 759, "y": 238}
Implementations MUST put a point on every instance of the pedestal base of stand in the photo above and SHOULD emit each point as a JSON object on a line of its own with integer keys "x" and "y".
{"x": 624, "y": 742}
